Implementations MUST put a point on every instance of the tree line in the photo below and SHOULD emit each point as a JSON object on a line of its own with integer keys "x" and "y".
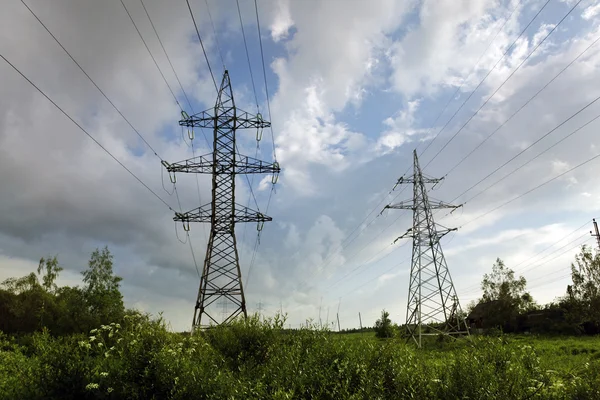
{"x": 506, "y": 304}
{"x": 34, "y": 302}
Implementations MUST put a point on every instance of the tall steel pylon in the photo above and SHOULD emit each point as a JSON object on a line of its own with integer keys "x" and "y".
{"x": 221, "y": 276}
{"x": 432, "y": 299}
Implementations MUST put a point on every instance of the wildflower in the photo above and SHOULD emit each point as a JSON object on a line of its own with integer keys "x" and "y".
{"x": 104, "y": 374}
{"x": 91, "y": 386}
{"x": 92, "y": 338}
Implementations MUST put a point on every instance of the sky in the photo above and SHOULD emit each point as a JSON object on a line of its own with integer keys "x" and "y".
{"x": 493, "y": 95}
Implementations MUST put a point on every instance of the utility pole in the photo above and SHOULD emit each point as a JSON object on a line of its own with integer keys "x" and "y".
{"x": 597, "y": 234}
{"x": 320, "y": 304}
{"x": 260, "y": 307}
{"x": 360, "y": 321}
{"x": 338, "y": 314}
{"x": 221, "y": 275}
{"x": 431, "y": 295}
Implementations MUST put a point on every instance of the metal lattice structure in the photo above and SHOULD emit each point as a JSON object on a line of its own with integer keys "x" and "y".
{"x": 432, "y": 299}
{"x": 221, "y": 275}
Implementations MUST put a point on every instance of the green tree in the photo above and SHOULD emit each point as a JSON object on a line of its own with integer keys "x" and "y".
{"x": 502, "y": 285}
{"x": 583, "y": 296}
{"x": 505, "y": 296}
{"x": 383, "y": 326}
{"x": 50, "y": 269}
{"x": 101, "y": 289}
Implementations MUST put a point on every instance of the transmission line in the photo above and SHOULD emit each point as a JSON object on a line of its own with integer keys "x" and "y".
{"x": 481, "y": 82}
{"x": 202, "y": 45}
{"x": 166, "y": 55}
{"x": 554, "y": 244}
{"x": 151, "y": 56}
{"x": 469, "y": 289}
{"x": 214, "y": 33}
{"x": 118, "y": 111}
{"x": 522, "y": 107}
{"x": 531, "y": 190}
{"x": 533, "y": 144}
{"x": 87, "y": 133}
{"x": 90, "y": 79}
{"x": 262, "y": 56}
{"x": 346, "y": 242}
{"x": 502, "y": 84}
{"x": 532, "y": 159}
{"x": 248, "y": 55}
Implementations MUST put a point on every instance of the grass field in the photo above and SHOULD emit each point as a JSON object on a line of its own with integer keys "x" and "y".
{"x": 260, "y": 360}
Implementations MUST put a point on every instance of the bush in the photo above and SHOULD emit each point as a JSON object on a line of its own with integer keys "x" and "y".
{"x": 383, "y": 326}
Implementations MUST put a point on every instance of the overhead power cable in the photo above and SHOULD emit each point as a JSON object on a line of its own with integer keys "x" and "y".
{"x": 201, "y": 45}
{"x": 347, "y": 240}
{"x": 151, "y": 55}
{"x": 214, "y": 33}
{"x": 173, "y": 69}
{"x": 532, "y": 159}
{"x": 166, "y": 55}
{"x": 528, "y": 260}
{"x": 533, "y": 144}
{"x": 484, "y": 78}
{"x": 503, "y": 83}
{"x": 522, "y": 106}
{"x": 237, "y": 2}
{"x": 87, "y": 133}
{"x": 91, "y": 80}
{"x": 262, "y": 56}
{"x": 531, "y": 190}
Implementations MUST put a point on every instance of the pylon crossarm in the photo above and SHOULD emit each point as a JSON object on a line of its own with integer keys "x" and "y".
{"x": 204, "y": 214}
{"x": 403, "y": 205}
{"x": 206, "y": 165}
{"x": 245, "y": 120}
{"x": 440, "y": 204}
{"x": 204, "y": 119}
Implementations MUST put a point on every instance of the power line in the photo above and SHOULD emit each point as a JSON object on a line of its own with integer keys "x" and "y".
{"x": 214, "y": 33}
{"x": 262, "y": 56}
{"x": 534, "y": 158}
{"x": 202, "y": 45}
{"x": 485, "y": 77}
{"x": 502, "y": 84}
{"x": 469, "y": 289}
{"x": 473, "y": 70}
{"x": 522, "y": 107}
{"x": 346, "y": 242}
{"x": 533, "y": 144}
{"x": 90, "y": 79}
{"x": 172, "y": 68}
{"x": 247, "y": 55}
{"x": 531, "y": 190}
{"x": 86, "y": 132}
{"x": 553, "y": 244}
{"x": 120, "y": 113}
{"x": 151, "y": 56}
{"x": 166, "y": 55}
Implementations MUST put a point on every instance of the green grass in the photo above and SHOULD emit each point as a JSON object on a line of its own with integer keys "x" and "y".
{"x": 259, "y": 360}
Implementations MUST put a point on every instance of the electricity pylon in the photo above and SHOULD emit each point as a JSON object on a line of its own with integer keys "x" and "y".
{"x": 432, "y": 298}
{"x": 221, "y": 275}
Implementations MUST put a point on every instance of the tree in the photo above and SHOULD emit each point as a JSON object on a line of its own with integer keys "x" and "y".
{"x": 50, "y": 268}
{"x": 101, "y": 289}
{"x": 583, "y": 296}
{"x": 502, "y": 285}
{"x": 504, "y": 295}
{"x": 383, "y": 326}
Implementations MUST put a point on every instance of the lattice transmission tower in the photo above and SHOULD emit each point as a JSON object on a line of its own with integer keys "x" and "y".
{"x": 432, "y": 299}
{"x": 221, "y": 275}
